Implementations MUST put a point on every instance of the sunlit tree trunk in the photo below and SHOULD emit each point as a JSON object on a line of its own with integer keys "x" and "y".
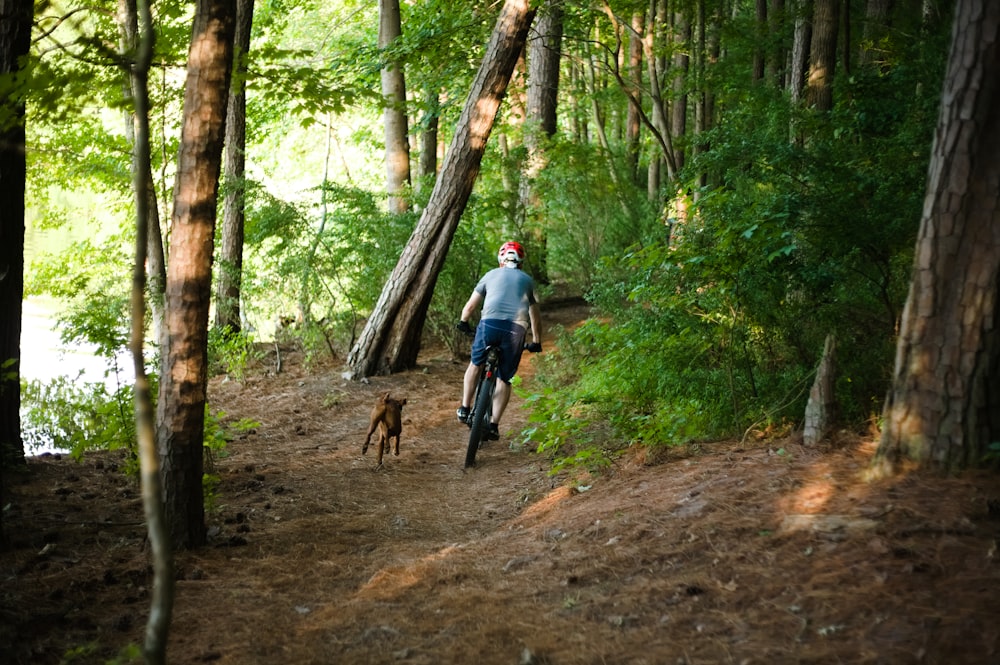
{"x": 230, "y": 274}
{"x": 397, "y": 146}
{"x": 390, "y": 340}
{"x": 944, "y": 404}
{"x": 823, "y": 54}
{"x": 184, "y": 373}
{"x": 15, "y": 39}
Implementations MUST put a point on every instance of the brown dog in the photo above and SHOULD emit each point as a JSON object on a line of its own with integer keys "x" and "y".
{"x": 387, "y": 417}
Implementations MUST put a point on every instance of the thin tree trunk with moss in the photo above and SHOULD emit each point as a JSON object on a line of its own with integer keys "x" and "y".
{"x": 162, "y": 599}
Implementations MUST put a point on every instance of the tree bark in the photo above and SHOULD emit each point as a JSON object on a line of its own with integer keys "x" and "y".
{"x": 800, "y": 48}
{"x": 823, "y": 54}
{"x": 390, "y": 340}
{"x": 944, "y": 404}
{"x": 230, "y": 279}
{"x": 15, "y": 39}
{"x": 183, "y": 377}
{"x": 397, "y": 146}
{"x": 544, "y": 55}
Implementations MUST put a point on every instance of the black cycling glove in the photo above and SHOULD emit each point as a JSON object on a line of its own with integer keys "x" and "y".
{"x": 534, "y": 347}
{"x": 463, "y": 326}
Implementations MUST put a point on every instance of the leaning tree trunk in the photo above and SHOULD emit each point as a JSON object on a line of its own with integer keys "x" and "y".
{"x": 944, "y": 404}
{"x": 390, "y": 340}
{"x": 184, "y": 373}
{"x": 230, "y": 279}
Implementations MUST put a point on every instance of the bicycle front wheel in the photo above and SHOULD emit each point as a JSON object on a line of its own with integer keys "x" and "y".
{"x": 481, "y": 410}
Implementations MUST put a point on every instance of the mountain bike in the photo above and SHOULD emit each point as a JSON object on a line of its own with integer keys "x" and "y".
{"x": 482, "y": 403}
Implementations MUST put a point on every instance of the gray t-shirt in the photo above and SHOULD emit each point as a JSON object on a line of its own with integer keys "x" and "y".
{"x": 507, "y": 293}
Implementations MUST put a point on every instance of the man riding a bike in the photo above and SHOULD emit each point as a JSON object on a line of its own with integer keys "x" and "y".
{"x": 510, "y": 308}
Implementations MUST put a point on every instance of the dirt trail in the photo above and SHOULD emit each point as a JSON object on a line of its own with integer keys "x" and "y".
{"x": 768, "y": 553}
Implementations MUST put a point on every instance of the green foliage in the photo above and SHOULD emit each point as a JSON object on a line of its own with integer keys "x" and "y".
{"x": 330, "y": 274}
{"x": 78, "y": 417}
{"x": 229, "y": 353}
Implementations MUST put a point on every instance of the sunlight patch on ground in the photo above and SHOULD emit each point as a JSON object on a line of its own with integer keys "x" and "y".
{"x": 390, "y": 581}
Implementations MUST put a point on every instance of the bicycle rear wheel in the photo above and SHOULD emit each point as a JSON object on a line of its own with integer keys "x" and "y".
{"x": 481, "y": 411}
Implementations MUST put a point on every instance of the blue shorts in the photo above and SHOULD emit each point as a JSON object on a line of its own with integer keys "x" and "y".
{"x": 510, "y": 337}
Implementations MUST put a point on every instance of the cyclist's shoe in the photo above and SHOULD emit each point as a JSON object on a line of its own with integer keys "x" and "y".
{"x": 493, "y": 433}
{"x": 463, "y": 414}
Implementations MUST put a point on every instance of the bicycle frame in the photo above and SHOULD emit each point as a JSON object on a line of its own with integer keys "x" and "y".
{"x": 482, "y": 403}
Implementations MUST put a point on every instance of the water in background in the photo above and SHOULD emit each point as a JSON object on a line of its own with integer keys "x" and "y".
{"x": 44, "y": 356}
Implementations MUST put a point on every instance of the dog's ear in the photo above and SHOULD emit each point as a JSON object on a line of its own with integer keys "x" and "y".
{"x": 384, "y": 398}
{"x": 402, "y": 402}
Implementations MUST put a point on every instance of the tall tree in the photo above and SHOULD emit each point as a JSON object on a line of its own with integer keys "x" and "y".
{"x": 390, "y": 340}
{"x": 230, "y": 277}
{"x": 397, "y": 144}
{"x": 944, "y": 404}
{"x": 802, "y": 12}
{"x": 184, "y": 372}
{"x": 823, "y": 54}
{"x": 15, "y": 40}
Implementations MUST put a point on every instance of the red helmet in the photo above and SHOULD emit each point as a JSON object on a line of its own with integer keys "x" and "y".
{"x": 511, "y": 253}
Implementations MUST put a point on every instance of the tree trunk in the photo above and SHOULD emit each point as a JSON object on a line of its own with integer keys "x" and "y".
{"x": 544, "y": 52}
{"x": 681, "y": 64}
{"x": 823, "y": 54}
{"x": 230, "y": 278}
{"x": 821, "y": 408}
{"x": 183, "y": 377}
{"x": 162, "y": 597}
{"x": 397, "y": 146}
{"x": 544, "y": 56}
{"x": 633, "y": 121}
{"x": 390, "y": 340}
{"x": 760, "y": 49}
{"x": 800, "y": 48}
{"x": 155, "y": 261}
{"x": 876, "y": 27}
{"x": 429, "y": 136}
{"x": 944, "y": 404}
{"x": 15, "y": 39}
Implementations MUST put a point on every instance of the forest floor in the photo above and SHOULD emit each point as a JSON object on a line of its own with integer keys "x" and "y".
{"x": 763, "y": 551}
